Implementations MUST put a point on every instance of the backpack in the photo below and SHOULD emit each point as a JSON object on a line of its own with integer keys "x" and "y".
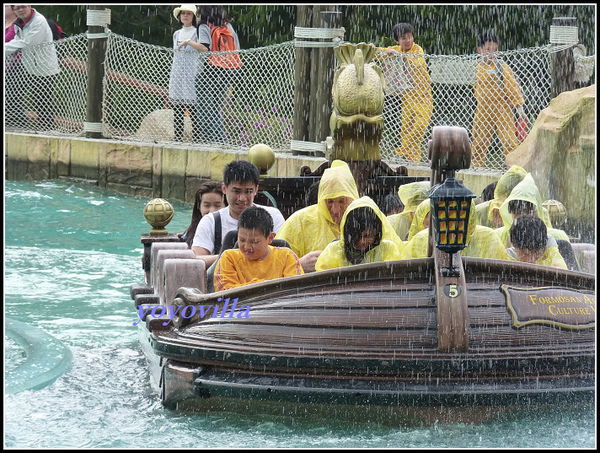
{"x": 222, "y": 41}
{"x": 57, "y": 32}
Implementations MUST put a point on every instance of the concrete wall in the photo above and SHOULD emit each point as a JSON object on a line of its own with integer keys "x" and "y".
{"x": 147, "y": 171}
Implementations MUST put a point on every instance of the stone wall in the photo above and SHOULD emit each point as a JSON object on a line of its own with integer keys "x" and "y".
{"x": 147, "y": 171}
{"x": 560, "y": 153}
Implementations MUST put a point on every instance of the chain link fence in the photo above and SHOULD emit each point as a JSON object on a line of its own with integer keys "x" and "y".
{"x": 259, "y": 101}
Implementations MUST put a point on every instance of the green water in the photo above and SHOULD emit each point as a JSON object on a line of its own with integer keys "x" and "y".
{"x": 71, "y": 252}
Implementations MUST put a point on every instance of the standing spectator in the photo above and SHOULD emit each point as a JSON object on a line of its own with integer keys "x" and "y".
{"x": 497, "y": 94}
{"x": 417, "y": 101}
{"x": 33, "y": 37}
{"x": 14, "y": 76}
{"x": 9, "y": 23}
{"x": 182, "y": 89}
{"x": 216, "y": 72}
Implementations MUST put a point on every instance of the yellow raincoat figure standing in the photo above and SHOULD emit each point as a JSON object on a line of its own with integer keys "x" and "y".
{"x": 527, "y": 191}
{"x": 497, "y": 94}
{"x": 417, "y": 101}
{"x": 366, "y": 237}
{"x": 411, "y": 195}
{"x": 312, "y": 228}
{"x": 482, "y": 242}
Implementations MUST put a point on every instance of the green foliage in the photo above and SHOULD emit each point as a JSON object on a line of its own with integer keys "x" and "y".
{"x": 439, "y": 29}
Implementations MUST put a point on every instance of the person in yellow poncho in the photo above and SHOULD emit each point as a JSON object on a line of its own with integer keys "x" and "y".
{"x": 366, "y": 237}
{"x": 482, "y": 242}
{"x": 497, "y": 93}
{"x": 417, "y": 102}
{"x": 311, "y": 229}
{"x": 420, "y": 220}
{"x": 411, "y": 195}
{"x": 531, "y": 243}
{"x": 526, "y": 191}
{"x": 507, "y": 182}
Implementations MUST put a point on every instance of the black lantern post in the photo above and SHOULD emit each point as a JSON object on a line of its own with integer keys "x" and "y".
{"x": 450, "y": 210}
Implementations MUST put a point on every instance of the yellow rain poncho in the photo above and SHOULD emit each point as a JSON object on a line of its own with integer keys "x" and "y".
{"x": 526, "y": 190}
{"x": 418, "y": 222}
{"x": 388, "y": 249}
{"x": 551, "y": 257}
{"x": 482, "y": 242}
{"x": 485, "y": 211}
{"x": 312, "y": 228}
{"x": 411, "y": 195}
{"x": 508, "y": 181}
{"x": 495, "y": 101}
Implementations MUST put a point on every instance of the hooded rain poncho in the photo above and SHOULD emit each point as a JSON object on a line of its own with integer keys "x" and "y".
{"x": 388, "y": 249}
{"x": 312, "y": 228}
{"x": 526, "y": 190}
{"x": 482, "y": 242}
{"x": 411, "y": 195}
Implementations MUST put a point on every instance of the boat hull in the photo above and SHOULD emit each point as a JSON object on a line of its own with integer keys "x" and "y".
{"x": 367, "y": 337}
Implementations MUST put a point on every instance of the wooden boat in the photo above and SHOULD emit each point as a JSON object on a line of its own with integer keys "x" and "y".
{"x": 402, "y": 342}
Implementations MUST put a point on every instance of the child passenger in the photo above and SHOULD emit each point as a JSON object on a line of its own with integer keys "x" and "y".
{"x": 255, "y": 260}
{"x": 366, "y": 237}
{"x": 531, "y": 243}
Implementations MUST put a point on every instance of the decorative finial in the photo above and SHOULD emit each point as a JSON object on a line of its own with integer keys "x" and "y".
{"x": 262, "y": 156}
{"x": 158, "y": 213}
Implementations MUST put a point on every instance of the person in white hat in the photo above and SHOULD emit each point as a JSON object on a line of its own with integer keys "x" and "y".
{"x": 182, "y": 90}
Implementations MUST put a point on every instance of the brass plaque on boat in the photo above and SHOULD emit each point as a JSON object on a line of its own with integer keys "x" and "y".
{"x": 562, "y": 307}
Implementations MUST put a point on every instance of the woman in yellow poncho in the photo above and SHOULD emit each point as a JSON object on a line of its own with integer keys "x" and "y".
{"x": 366, "y": 237}
{"x": 312, "y": 228}
{"x": 482, "y": 242}
{"x": 526, "y": 191}
{"x": 411, "y": 195}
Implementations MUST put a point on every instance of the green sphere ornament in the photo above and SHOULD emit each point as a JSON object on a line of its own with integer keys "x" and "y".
{"x": 158, "y": 213}
{"x": 262, "y": 156}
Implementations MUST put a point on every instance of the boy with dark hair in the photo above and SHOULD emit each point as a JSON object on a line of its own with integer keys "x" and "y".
{"x": 531, "y": 243}
{"x": 240, "y": 186}
{"x": 497, "y": 94}
{"x": 255, "y": 260}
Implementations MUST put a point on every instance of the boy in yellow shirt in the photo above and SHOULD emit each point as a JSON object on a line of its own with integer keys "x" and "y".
{"x": 417, "y": 102}
{"x": 497, "y": 94}
{"x": 255, "y": 260}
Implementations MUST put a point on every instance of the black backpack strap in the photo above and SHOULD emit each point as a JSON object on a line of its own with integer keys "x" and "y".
{"x": 218, "y": 232}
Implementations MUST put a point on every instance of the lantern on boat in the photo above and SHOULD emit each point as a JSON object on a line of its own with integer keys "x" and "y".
{"x": 450, "y": 210}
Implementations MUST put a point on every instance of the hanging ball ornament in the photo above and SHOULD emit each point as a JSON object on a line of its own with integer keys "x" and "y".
{"x": 158, "y": 213}
{"x": 262, "y": 156}
{"x": 556, "y": 211}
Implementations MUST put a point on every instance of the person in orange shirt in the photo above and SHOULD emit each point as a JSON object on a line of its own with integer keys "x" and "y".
{"x": 497, "y": 94}
{"x": 256, "y": 260}
{"x": 417, "y": 101}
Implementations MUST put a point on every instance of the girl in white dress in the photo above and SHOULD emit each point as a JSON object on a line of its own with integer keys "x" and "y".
{"x": 182, "y": 90}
